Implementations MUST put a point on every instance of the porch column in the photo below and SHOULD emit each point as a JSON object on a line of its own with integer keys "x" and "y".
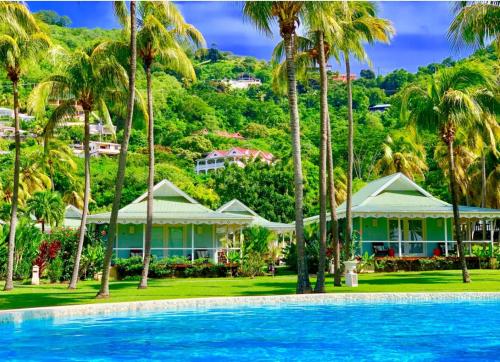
{"x": 143, "y": 240}
{"x": 492, "y": 229}
{"x": 445, "y": 236}
{"x": 192, "y": 243}
{"x": 400, "y": 251}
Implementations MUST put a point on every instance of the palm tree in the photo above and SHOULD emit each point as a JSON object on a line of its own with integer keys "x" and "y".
{"x": 88, "y": 80}
{"x": 162, "y": 28}
{"x": 359, "y": 24}
{"x": 47, "y": 207}
{"x": 287, "y": 14}
{"x": 120, "y": 10}
{"x": 402, "y": 154}
{"x": 475, "y": 23}
{"x": 21, "y": 42}
{"x": 57, "y": 156}
{"x": 454, "y": 99}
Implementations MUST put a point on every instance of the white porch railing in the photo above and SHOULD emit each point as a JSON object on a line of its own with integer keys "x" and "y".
{"x": 446, "y": 243}
{"x": 212, "y": 253}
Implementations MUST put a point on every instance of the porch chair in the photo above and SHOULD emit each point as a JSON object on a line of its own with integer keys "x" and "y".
{"x": 379, "y": 249}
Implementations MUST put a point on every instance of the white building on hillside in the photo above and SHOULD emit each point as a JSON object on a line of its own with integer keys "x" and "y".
{"x": 216, "y": 159}
{"x": 97, "y": 149}
{"x": 243, "y": 82}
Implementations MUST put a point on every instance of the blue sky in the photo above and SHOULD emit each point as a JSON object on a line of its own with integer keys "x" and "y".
{"x": 420, "y": 29}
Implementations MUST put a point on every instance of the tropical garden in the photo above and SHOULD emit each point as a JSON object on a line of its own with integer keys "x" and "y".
{"x": 161, "y": 86}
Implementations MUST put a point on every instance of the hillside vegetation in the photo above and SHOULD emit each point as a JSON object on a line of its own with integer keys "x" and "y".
{"x": 183, "y": 109}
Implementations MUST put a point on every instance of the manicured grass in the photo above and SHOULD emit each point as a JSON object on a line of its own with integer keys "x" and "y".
{"x": 24, "y": 296}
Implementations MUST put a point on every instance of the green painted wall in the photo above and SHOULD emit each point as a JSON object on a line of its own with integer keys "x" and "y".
{"x": 163, "y": 236}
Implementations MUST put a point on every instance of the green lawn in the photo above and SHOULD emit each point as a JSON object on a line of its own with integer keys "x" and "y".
{"x": 24, "y": 296}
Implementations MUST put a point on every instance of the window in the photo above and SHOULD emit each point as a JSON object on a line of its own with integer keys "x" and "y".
{"x": 414, "y": 232}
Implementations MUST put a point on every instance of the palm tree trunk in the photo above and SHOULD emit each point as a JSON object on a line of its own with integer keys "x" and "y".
{"x": 320, "y": 279}
{"x": 303, "y": 284}
{"x": 334, "y": 224}
{"x": 149, "y": 208}
{"x": 456, "y": 213}
{"x": 122, "y": 163}
{"x": 350, "y": 156}
{"x": 483, "y": 189}
{"x": 86, "y": 197}
{"x": 9, "y": 283}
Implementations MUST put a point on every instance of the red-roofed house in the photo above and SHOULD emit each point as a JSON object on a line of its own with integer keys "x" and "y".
{"x": 217, "y": 158}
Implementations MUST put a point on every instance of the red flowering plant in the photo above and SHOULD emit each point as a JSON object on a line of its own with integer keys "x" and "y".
{"x": 47, "y": 251}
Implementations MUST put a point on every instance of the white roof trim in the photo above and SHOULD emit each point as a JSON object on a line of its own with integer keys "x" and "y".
{"x": 393, "y": 179}
{"x": 166, "y": 183}
{"x": 236, "y": 201}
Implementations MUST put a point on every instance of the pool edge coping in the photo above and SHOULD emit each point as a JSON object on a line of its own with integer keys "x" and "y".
{"x": 103, "y": 309}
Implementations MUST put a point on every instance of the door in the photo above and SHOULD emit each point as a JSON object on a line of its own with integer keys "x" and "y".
{"x": 414, "y": 233}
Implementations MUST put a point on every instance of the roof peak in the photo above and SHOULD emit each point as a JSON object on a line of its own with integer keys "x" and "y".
{"x": 165, "y": 188}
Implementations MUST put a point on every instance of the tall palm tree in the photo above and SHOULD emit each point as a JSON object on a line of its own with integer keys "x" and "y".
{"x": 454, "y": 99}
{"x": 359, "y": 24}
{"x": 475, "y": 23}
{"x": 401, "y": 153}
{"x": 287, "y": 14}
{"x": 47, "y": 207}
{"x": 162, "y": 29}
{"x": 126, "y": 21}
{"x": 87, "y": 80}
{"x": 58, "y": 157}
{"x": 21, "y": 42}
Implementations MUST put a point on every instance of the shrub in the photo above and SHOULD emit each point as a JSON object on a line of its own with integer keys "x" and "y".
{"x": 47, "y": 251}
{"x": 252, "y": 265}
{"x": 129, "y": 267}
{"x": 55, "y": 270}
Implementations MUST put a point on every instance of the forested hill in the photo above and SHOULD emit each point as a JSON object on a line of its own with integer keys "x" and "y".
{"x": 183, "y": 110}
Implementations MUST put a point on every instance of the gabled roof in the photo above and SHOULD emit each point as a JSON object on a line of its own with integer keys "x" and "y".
{"x": 398, "y": 196}
{"x": 72, "y": 212}
{"x": 171, "y": 206}
{"x": 166, "y": 188}
{"x": 235, "y": 206}
{"x": 72, "y": 217}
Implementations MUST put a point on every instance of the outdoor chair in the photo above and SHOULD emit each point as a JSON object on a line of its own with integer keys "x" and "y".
{"x": 379, "y": 249}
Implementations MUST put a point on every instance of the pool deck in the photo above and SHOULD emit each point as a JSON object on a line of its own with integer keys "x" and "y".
{"x": 20, "y": 315}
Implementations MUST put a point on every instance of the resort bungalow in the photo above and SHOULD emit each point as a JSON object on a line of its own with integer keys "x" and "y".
{"x": 181, "y": 227}
{"x": 217, "y": 159}
{"x": 393, "y": 216}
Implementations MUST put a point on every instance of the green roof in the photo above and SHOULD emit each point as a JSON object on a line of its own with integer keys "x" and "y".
{"x": 170, "y": 206}
{"x": 398, "y": 196}
{"x": 235, "y": 206}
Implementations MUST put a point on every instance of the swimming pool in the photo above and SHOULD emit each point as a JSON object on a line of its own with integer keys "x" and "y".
{"x": 444, "y": 331}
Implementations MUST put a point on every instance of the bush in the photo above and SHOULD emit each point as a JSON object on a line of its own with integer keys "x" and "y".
{"x": 312, "y": 254}
{"x": 170, "y": 267}
{"x": 252, "y": 265}
{"x": 55, "y": 270}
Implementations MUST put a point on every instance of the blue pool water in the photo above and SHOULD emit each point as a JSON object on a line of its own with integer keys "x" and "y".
{"x": 466, "y": 331}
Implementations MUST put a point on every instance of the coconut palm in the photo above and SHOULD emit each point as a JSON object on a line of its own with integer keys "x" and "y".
{"x": 493, "y": 188}
{"x": 359, "y": 24}
{"x": 158, "y": 41}
{"x": 475, "y": 23}
{"x": 58, "y": 158}
{"x": 454, "y": 99}
{"x": 287, "y": 14}
{"x": 401, "y": 153}
{"x": 47, "y": 207}
{"x": 127, "y": 21}
{"x": 21, "y": 42}
{"x": 89, "y": 81}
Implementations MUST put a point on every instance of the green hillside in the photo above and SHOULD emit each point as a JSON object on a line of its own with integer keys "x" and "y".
{"x": 183, "y": 109}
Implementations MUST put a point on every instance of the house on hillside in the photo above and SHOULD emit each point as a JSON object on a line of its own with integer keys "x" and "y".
{"x": 393, "y": 216}
{"x": 379, "y": 107}
{"x": 243, "y": 82}
{"x": 343, "y": 77}
{"x": 8, "y": 132}
{"x": 8, "y": 114}
{"x": 216, "y": 159}
{"x": 97, "y": 149}
{"x": 181, "y": 227}
{"x": 234, "y": 136}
